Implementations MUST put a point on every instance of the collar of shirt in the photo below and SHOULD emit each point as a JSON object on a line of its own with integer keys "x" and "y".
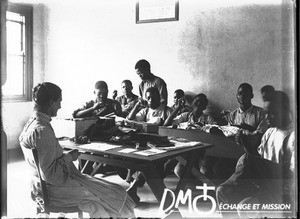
{"x": 248, "y": 110}
{"x": 42, "y": 116}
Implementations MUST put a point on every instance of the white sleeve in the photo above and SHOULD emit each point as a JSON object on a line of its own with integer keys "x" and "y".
{"x": 261, "y": 147}
{"x": 141, "y": 115}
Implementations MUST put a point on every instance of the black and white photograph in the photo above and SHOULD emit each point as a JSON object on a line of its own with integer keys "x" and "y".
{"x": 149, "y": 109}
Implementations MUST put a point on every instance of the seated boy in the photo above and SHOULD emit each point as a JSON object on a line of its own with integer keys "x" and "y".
{"x": 179, "y": 97}
{"x": 194, "y": 119}
{"x": 266, "y": 92}
{"x": 248, "y": 117}
{"x": 277, "y": 146}
{"x": 250, "y": 120}
{"x": 128, "y": 99}
{"x": 155, "y": 112}
{"x": 101, "y": 106}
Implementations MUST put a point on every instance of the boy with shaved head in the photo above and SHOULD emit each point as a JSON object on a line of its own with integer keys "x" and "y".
{"x": 101, "y": 106}
{"x": 248, "y": 117}
{"x": 128, "y": 99}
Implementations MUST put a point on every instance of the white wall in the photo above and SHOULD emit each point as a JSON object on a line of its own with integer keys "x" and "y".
{"x": 215, "y": 46}
{"x": 211, "y": 49}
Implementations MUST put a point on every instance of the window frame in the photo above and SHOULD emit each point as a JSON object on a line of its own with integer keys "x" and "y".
{"x": 27, "y": 12}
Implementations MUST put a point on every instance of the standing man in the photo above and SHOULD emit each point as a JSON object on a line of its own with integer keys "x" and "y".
{"x": 128, "y": 99}
{"x": 142, "y": 68}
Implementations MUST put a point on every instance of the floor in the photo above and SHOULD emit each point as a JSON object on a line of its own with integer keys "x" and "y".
{"x": 20, "y": 205}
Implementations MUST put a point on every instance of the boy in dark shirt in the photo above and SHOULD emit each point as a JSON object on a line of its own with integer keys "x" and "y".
{"x": 101, "y": 106}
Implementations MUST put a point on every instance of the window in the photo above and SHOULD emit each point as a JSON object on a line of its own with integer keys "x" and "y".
{"x": 19, "y": 74}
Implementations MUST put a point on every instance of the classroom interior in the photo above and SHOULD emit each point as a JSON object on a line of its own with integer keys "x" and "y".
{"x": 212, "y": 48}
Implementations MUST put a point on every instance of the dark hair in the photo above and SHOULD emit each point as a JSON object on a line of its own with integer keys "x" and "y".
{"x": 267, "y": 89}
{"x": 179, "y": 92}
{"x": 101, "y": 84}
{"x": 43, "y": 93}
{"x": 154, "y": 91}
{"x": 202, "y": 97}
{"x": 142, "y": 65}
{"x": 246, "y": 86}
{"x": 280, "y": 99}
{"x": 127, "y": 82}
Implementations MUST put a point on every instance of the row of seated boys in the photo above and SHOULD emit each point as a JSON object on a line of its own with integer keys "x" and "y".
{"x": 153, "y": 111}
{"x": 250, "y": 119}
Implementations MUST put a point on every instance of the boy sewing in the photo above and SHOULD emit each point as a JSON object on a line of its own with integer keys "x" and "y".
{"x": 101, "y": 106}
{"x": 194, "y": 119}
{"x": 155, "y": 112}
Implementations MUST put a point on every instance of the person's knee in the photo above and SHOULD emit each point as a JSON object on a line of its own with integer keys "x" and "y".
{"x": 248, "y": 213}
{"x": 220, "y": 193}
{"x": 224, "y": 193}
{"x": 179, "y": 170}
{"x": 170, "y": 165}
{"x": 219, "y": 189}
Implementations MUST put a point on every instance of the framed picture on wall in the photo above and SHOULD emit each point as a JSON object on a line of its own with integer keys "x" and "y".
{"x": 156, "y": 11}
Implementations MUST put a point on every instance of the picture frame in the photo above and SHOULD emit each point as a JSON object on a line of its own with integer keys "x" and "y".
{"x": 150, "y": 11}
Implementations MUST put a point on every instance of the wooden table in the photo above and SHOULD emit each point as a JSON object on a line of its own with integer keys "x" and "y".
{"x": 224, "y": 147}
{"x": 145, "y": 164}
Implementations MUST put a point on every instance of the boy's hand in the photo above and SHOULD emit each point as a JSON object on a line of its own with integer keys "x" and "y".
{"x": 247, "y": 127}
{"x": 181, "y": 102}
{"x": 142, "y": 103}
{"x": 224, "y": 112}
{"x": 238, "y": 137}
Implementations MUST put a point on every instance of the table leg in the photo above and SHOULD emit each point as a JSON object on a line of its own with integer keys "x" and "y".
{"x": 187, "y": 170}
{"x": 196, "y": 173}
{"x": 80, "y": 165}
{"x": 154, "y": 181}
{"x": 85, "y": 165}
{"x": 98, "y": 165}
{"x": 157, "y": 186}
